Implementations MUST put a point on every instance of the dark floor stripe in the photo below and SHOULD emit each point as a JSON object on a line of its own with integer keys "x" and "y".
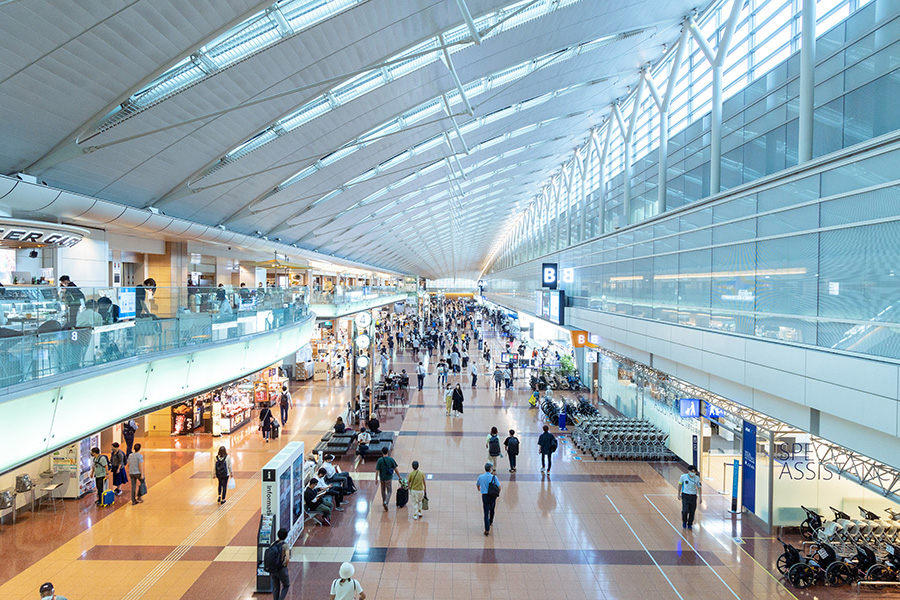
{"x": 532, "y": 556}
{"x": 530, "y": 477}
{"x": 480, "y": 434}
{"x": 154, "y": 553}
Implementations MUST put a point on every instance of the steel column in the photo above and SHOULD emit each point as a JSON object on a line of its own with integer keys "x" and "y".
{"x": 807, "y": 81}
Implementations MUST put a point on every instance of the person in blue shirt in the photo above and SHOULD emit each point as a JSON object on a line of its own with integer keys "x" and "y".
{"x": 488, "y": 502}
{"x": 689, "y": 492}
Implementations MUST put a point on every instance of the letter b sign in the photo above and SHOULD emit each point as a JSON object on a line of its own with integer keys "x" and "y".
{"x": 549, "y": 275}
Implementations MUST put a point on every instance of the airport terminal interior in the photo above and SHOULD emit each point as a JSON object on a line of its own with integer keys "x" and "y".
{"x": 292, "y": 289}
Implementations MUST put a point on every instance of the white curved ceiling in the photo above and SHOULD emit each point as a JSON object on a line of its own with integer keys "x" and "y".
{"x": 379, "y": 175}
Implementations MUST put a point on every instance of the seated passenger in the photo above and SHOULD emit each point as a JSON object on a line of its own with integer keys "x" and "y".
{"x": 374, "y": 425}
{"x": 339, "y": 426}
{"x": 331, "y": 490}
{"x": 362, "y": 443}
{"x": 316, "y": 501}
{"x": 334, "y": 475}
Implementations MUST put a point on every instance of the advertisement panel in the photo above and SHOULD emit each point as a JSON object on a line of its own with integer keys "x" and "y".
{"x": 748, "y": 470}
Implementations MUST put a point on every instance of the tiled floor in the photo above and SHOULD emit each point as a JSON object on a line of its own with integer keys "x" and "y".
{"x": 594, "y": 530}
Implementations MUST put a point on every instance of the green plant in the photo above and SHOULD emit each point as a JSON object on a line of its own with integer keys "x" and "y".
{"x": 566, "y": 365}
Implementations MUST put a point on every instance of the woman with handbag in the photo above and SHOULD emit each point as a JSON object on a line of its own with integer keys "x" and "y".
{"x": 417, "y": 490}
{"x": 265, "y": 422}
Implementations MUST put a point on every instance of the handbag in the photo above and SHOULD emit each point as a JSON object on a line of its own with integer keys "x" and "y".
{"x": 143, "y": 489}
{"x": 231, "y": 483}
{"x": 425, "y": 503}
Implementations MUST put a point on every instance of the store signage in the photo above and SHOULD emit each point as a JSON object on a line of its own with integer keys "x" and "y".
{"x": 748, "y": 471}
{"x": 579, "y": 339}
{"x": 549, "y": 272}
{"x": 712, "y": 411}
{"x": 689, "y": 408}
{"x": 127, "y": 303}
{"x": 18, "y": 231}
{"x": 590, "y": 356}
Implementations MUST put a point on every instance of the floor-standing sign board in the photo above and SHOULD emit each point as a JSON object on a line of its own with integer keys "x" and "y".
{"x": 748, "y": 471}
{"x": 282, "y": 490}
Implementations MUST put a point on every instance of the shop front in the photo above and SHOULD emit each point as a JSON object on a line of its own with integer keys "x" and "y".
{"x": 219, "y": 411}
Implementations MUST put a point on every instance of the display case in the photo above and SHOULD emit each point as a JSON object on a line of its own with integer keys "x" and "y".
{"x": 264, "y": 538}
{"x": 74, "y": 461}
{"x": 25, "y": 308}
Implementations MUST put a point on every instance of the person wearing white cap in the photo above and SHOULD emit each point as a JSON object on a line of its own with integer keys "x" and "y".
{"x": 346, "y": 588}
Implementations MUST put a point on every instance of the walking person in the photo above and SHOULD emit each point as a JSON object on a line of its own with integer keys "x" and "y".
{"x": 285, "y": 402}
{"x": 129, "y": 428}
{"x": 547, "y": 444}
{"x": 117, "y": 466}
{"x": 474, "y": 371}
{"x": 458, "y": 400}
{"x": 507, "y": 377}
{"x": 101, "y": 467}
{"x": 420, "y": 375}
{"x": 47, "y": 591}
{"x": 492, "y": 443}
{"x": 386, "y": 467}
{"x": 417, "y": 491}
{"x": 488, "y": 500}
{"x": 265, "y": 422}
{"x": 448, "y": 398}
{"x": 689, "y": 492}
{"x": 276, "y": 561}
{"x": 224, "y": 470}
{"x": 498, "y": 377}
{"x": 345, "y": 587}
{"x": 511, "y": 443}
{"x": 136, "y": 473}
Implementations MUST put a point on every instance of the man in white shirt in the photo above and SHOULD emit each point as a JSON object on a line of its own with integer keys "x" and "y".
{"x": 420, "y": 375}
{"x": 474, "y": 371}
{"x": 689, "y": 492}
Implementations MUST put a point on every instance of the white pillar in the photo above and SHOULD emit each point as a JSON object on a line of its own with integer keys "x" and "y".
{"x": 807, "y": 80}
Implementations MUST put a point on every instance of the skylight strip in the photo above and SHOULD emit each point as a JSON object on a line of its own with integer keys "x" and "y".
{"x": 245, "y": 40}
{"x": 451, "y": 36}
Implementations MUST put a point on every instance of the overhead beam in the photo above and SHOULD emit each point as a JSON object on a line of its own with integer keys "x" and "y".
{"x": 467, "y": 17}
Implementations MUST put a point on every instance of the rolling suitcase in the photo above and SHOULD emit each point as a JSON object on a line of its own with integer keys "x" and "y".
{"x": 275, "y": 430}
{"x": 402, "y": 497}
{"x": 109, "y": 497}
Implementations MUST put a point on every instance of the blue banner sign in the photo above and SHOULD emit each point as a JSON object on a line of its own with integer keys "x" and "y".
{"x": 689, "y": 408}
{"x": 734, "y": 486}
{"x": 748, "y": 471}
{"x": 713, "y": 411}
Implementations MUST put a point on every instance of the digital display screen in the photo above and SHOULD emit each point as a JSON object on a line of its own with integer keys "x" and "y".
{"x": 284, "y": 500}
{"x": 298, "y": 488}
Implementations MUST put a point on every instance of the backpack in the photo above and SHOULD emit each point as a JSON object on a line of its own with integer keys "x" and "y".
{"x": 283, "y": 401}
{"x": 494, "y": 446}
{"x": 221, "y": 468}
{"x": 512, "y": 446}
{"x": 273, "y": 557}
{"x": 553, "y": 445}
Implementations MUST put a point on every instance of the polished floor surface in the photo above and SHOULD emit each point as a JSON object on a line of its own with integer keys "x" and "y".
{"x": 594, "y": 530}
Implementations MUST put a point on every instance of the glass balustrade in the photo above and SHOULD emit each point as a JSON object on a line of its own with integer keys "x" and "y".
{"x": 46, "y": 331}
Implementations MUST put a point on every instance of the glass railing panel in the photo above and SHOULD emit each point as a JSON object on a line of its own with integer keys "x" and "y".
{"x": 47, "y": 331}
